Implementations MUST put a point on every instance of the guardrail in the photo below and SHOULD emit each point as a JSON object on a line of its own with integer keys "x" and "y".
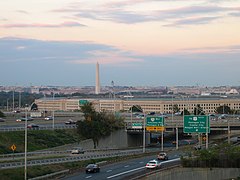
{"x": 53, "y": 152}
{"x": 7, "y": 129}
{"x": 67, "y": 159}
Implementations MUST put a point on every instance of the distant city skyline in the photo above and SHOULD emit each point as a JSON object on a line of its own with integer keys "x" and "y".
{"x": 136, "y": 43}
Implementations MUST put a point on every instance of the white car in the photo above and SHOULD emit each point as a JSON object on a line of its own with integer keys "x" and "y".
{"x": 48, "y": 118}
{"x": 153, "y": 164}
{"x": 77, "y": 151}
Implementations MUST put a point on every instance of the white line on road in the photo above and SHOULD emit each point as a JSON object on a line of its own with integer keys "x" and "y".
{"x": 109, "y": 170}
{"x": 88, "y": 177}
{"x": 125, "y": 172}
{"x": 141, "y": 162}
{"x": 126, "y": 166}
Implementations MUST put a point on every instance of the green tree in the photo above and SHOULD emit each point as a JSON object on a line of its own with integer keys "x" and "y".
{"x": 136, "y": 108}
{"x": 186, "y": 112}
{"x": 223, "y": 110}
{"x": 198, "y": 110}
{"x": 34, "y": 107}
{"x": 97, "y": 124}
{"x": 2, "y": 114}
{"x": 175, "y": 108}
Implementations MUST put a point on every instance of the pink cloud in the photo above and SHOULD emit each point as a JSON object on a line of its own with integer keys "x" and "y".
{"x": 36, "y": 25}
{"x": 118, "y": 60}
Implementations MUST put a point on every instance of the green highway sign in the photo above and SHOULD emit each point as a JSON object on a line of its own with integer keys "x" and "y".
{"x": 137, "y": 125}
{"x": 83, "y": 101}
{"x": 196, "y": 124}
{"x": 155, "y": 121}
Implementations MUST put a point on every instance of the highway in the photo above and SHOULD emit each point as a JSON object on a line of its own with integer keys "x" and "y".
{"x": 70, "y": 158}
{"x": 121, "y": 170}
{"x": 59, "y": 122}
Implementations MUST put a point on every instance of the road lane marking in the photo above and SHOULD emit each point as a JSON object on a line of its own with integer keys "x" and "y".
{"x": 141, "y": 162}
{"x": 126, "y": 166}
{"x": 88, "y": 177}
{"x": 109, "y": 170}
{"x": 125, "y": 172}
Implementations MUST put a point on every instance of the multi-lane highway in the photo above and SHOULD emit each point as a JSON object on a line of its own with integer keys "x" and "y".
{"x": 11, "y": 124}
{"x": 122, "y": 170}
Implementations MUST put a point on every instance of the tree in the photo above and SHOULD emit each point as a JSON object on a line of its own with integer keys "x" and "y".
{"x": 136, "y": 108}
{"x": 34, "y": 107}
{"x": 223, "y": 110}
{"x": 198, "y": 110}
{"x": 175, "y": 108}
{"x": 97, "y": 124}
{"x": 2, "y": 114}
{"x": 186, "y": 112}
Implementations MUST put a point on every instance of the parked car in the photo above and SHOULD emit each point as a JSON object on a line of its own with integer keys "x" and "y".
{"x": 48, "y": 118}
{"x": 153, "y": 164}
{"x": 92, "y": 168}
{"x": 2, "y": 120}
{"x": 33, "y": 126}
{"x": 70, "y": 121}
{"x": 77, "y": 151}
{"x": 162, "y": 156}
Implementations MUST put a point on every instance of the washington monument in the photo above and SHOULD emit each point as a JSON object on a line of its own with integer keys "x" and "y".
{"x": 97, "y": 86}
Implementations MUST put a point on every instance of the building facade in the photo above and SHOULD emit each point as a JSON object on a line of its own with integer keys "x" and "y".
{"x": 148, "y": 105}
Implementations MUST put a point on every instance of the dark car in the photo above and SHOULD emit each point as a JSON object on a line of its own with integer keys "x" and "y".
{"x": 24, "y": 119}
{"x": 33, "y": 126}
{"x": 162, "y": 156}
{"x": 92, "y": 168}
{"x": 2, "y": 120}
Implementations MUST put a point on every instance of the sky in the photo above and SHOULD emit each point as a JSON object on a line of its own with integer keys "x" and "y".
{"x": 135, "y": 42}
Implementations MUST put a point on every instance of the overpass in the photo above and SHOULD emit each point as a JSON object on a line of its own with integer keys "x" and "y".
{"x": 177, "y": 122}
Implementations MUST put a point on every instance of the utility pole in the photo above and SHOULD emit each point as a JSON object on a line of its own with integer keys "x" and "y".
{"x": 25, "y": 159}
{"x": 13, "y": 100}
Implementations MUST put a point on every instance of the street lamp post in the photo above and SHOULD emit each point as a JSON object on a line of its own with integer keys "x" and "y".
{"x": 144, "y": 131}
{"x": 53, "y": 125}
{"x": 19, "y": 103}
{"x": 177, "y": 136}
{"x": 207, "y": 132}
{"x": 25, "y": 159}
{"x": 131, "y": 116}
{"x": 144, "y": 125}
{"x": 176, "y": 126}
{"x": 13, "y": 101}
{"x": 228, "y": 132}
{"x": 162, "y": 141}
{"x": 7, "y": 105}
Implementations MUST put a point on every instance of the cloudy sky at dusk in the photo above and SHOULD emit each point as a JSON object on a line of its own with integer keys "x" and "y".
{"x": 136, "y": 42}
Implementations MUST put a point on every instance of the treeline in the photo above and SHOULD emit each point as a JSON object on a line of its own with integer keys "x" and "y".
{"x": 223, "y": 156}
{"x": 8, "y": 98}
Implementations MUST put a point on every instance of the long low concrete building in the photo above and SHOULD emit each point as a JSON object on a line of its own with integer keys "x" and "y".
{"x": 208, "y": 105}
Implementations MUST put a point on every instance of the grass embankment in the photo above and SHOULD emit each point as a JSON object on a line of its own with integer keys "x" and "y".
{"x": 35, "y": 171}
{"x": 37, "y": 140}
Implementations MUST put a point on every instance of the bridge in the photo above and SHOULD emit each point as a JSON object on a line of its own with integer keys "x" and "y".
{"x": 177, "y": 122}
